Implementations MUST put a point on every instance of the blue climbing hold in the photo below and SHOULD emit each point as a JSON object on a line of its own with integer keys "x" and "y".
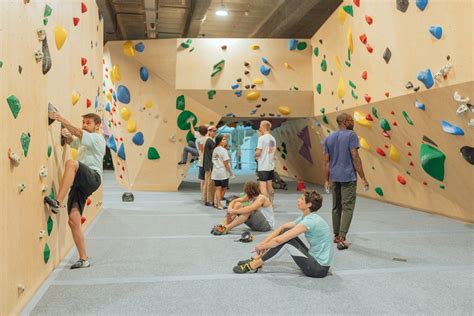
{"x": 436, "y": 31}
{"x": 426, "y": 78}
{"x": 140, "y": 47}
{"x": 138, "y": 139}
{"x": 107, "y": 107}
{"x": 451, "y": 129}
{"x": 421, "y": 4}
{"x": 235, "y": 86}
{"x": 96, "y": 104}
{"x": 420, "y": 106}
{"x": 111, "y": 143}
{"x": 265, "y": 70}
{"x": 144, "y": 73}
{"x": 114, "y": 96}
{"x": 253, "y": 111}
{"x": 264, "y": 60}
{"x": 123, "y": 94}
{"x": 121, "y": 152}
{"x": 238, "y": 93}
{"x": 292, "y": 44}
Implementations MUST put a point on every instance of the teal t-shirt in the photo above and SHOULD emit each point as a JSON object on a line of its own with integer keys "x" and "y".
{"x": 318, "y": 236}
{"x": 91, "y": 150}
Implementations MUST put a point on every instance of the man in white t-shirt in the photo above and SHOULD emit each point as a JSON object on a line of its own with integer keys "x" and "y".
{"x": 265, "y": 154}
{"x": 82, "y": 176}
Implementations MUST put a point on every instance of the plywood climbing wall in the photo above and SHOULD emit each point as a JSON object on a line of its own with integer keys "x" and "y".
{"x": 32, "y": 239}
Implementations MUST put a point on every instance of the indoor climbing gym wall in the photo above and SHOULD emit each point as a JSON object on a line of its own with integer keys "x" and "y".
{"x": 50, "y": 58}
{"x": 404, "y": 70}
{"x": 148, "y": 120}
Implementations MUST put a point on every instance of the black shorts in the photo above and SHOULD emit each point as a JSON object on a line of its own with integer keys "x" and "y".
{"x": 222, "y": 183}
{"x": 265, "y": 175}
{"x": 86, "y": 182}
{"x": 201, "y": 173}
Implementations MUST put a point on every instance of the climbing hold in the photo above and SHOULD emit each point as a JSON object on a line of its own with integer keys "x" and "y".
{"x": 83, "y": 219}
{"x": 187, "y": 43}
{"x": 352, "y": 84}
{"x": 341, "y": 88}
{"x": 148, "y": 104}
{"x": 123, "y": 94}
{"x": 394, "y": 154}
{"x": 75, "y": 21}
{"x": 325, "y": 119}
{"x": 361, "y": 120}
{"x": 380, "y": 151}
{"x": 125, "y": 113}
{"x": 363, "y": 38}
{"x": 60, "y": 35}
{"x": 318, "y": 88}
{"x": 419, "y": 105}
{"x": 211, "y": 94}
{"x": 144, "y": 73}
{"x": 367, "y": 98}
{"x": 379, "y": 191}
{"x": 153, "y": 153}
{"x": 292, "y": 44}
{"x": 43, "y": 172}
{"x": 128, "y": 49}
{"x": 47, "y": 11}
{"x": 370, "y": 49}
{"x": 401, "y": 179}
{"x": 384, "y": 124}
{"x": 115, "y": 73}
{"x": 363, "y": 143}
{"x": 316, "y": 51}
{"x": 50, "y": 150}
{"x": 14, "y": 105}
{"x": 428, "y": 140}
{"x": 254, "y": 46}
{"x": 138, "y": 139}
{"x": 402, "y": 5}
{"x": 451, "y": 129}
{"x": 85, "y": 70}
{"x": 235, "y": 86}
{"x": 285, "y": 110}
{"x": 265, "y": 70}
{"x": 46, "y": 253}
{"x": 25, "y": 142}
{"x": 468, "y": 154}
{"x": 14, "y": 157}
{"x": 287, "y": 65}
{"x": 140, "y": 47}
{"x": 364, "y": 75}
{"x": 111, "y": 143}
{"x": 254, "y": 95}
{"x": 131, "y": 125}
{"x": 350, "y": 43}
{"x": 387, "y": 54}
{"x": 184, "y": 119}
{"x": 324, "y": 65}
{"x": 121, "y": 152}
{"x": 432, "y": 161}
{"x": 257, "y": 81}
{"x": 387, "y": 94}
{"x": 374, "y": 112}
{"x": 348, "y": 9}
{"x": 301, "y": 45}
{"x": 88, "y": 103}
{"x": 426, "y": 78}
{"x": 50, "y": 225}
{"x": 368, "y": 19}
{"x": 369, "y": 117}
{"x": 436, "y": 31}
{"x": 421, "y": 4}
{"x": 407, "y": 118}
{"x": 341, "y": 15}
{"x": 83, "y": 7}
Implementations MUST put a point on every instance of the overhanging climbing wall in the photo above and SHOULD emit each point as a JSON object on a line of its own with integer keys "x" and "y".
{"x": 32, "y": 239}
{"x": 396, "y": 68}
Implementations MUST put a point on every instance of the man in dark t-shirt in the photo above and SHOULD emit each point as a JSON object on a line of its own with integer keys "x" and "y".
{"x": 208, "y": 189}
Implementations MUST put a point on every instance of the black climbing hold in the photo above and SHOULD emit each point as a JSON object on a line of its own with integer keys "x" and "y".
{"x": 271, "y": 114}
{"x": 387, "y": 54}
{"x": 258, "y": 106}
{"x": 342, "y": 101}
{"x": 239, "y": 80}
{"x": 246, "y": 64}
{"x": 331, "y": 73}
{"x": 428, "y": 140}
{"x": 416, "y": 88}
{"x": 20, "y": 69}
{"x": 51, "y": 109}
{"x": 332, "y": 92}
{"x": 46, "y": 62}
{"x": 448, "y": 57}
{"x": 224, "y": 47}
{"x": 468, "y": 154}
{"x": 246, "y": 72}
{"x": 402, "y": 5}
{"x": 262, "y": 115}
{"x": 321, "y": 42}
{"x": 127, "y": 197}
{"x": 247, "y": 87}
{"x": 264, "y": 99}
{"x": 225, "y": 106}
{"x": 252, "y": 86}
{"x": 409, "y": 85}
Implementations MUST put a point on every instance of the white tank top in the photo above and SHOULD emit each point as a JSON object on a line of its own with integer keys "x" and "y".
{"x": 268, "y": 213}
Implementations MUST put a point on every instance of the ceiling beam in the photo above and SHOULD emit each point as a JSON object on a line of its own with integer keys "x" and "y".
{"x": 151, "y": 17}
{"x": 195, "y": 17}
{"x": 111, "y": 30}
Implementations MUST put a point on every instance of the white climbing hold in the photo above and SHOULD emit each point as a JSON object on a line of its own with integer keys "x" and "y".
{"x": 42, "y": 234}
{"x": 44, "y": 189}
{"x": 21, "y": 187}
{"x": 39, "y": 55}
{"x": 463, "y": 108}
{"x": 43, "y": 172}
{"x": 471, "y": 123}
{"x": 459, "y": 98}
{"x": 443, "y": 72}
{"x": 13, "y": 156}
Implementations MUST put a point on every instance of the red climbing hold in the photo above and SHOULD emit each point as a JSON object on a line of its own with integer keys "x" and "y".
{"x": 83, "y": 61}
{"x": 369, "y": 117}
{"x": 121, "y": 139}
{"x": 364, "y": 75}
{"x": 367, "y": 98}
{"x": 409, "y": 154}
{"x": 121, "y": 177}
{"x": 424, "y": 182}
{"x": 75, "y": 21}
{"x": 83, "y": 7}
{"x": 392, "y": 112}
{"x": 88, "y": 201}
{"x": 369, "y": 20}
{"x": 411, "y": 163}
{"x": 123, "y": 168}
{"x": 402, "y": 180}
{"x": 357, "y": 3}
{"x": 387, "y": 94}
{"x": 385, "y": 134}
{"x": 83, "y": 219}
{"x": 394, "y": 123}
{"x": 285, "y": 168}
{"x": 369, "y": 48}
{"x": 380, "y": 151}
{"x": 85, "y": 70}
{"x": 386, "y": 146}
{"x": 363, "y": 38}
{"x": 408, "y": 144}
{"x": 88, "y": 103}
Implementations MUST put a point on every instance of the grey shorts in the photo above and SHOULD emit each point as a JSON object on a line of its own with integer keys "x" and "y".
{"x": 258, "y": 222}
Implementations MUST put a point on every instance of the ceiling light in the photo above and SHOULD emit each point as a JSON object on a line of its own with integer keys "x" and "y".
{"x": 222, "y": 11}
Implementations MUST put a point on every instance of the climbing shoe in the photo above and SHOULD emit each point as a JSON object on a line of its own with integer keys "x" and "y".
{"x": 220, "y": 230}
{"x": 81, "y": 263}
{"x": 242, "y": 262}
{"x": 54, "y": 204}
{"x": 244, "y": 268}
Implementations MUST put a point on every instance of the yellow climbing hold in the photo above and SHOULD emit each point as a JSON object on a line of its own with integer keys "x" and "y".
{"x": 258, "y": 81}
{"x": 109, "y": 96}
{"x": 361, "y": 120}
{"x": 254, "y": 46}
{"x": 254, "y": 95}
{"x": 341, "y": 88}
{"x": 74, "y": 153}
{"x": 128, "y": 49}
{"x": 60, "y": 35}
{"x": 342, "y": 15}
{"x": 149, "y": 104}
{"x": 125, "y": 113}
{"x": 338, "y": 63}
{"x": 285, "y": 110}
{"x": 394, "y": 154}
{"x": 363, "y": 143}
{"x": 115, "y": 73}
{"x": 350, "y": 43}
{"x": 75, "y": 97}
{"x": 131, "y": 126}
{"x": 287, "y": 66}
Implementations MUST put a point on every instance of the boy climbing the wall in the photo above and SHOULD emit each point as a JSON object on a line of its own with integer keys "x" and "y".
{"x": 82, "y": 176}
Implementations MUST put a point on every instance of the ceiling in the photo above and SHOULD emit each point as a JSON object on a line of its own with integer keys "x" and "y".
{"x": 148, "y": 19}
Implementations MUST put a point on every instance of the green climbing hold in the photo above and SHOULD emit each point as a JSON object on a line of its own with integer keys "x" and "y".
{"x": 379, "y": 191}
{"x": 52, "y": 194}
{"x": 384, "y": 124}
{"x": 216, "y": 71}
{"x": 47, "y": 11}
{"x": 190, "y": 137}
{"x": 283, "y": 156}
{"x": 187, "y": 43}
{"x": 50, "y": 225}
{"x": 348, "y": 64}
{"x": 46, "y": 253}
{"x": 348, "y": 9}
{"x": 25, "y": 142}
{"x": 318, "y": 88}
{"x": 325, "y": 119}
{"x": 153, "y": 153}
{"x": 301, "y": 45}
{"x": 14, "y": 105}
{"x": 192, "y": 49}
{"x": 316, "y": 51}
{"x": 180, "y": 103}
{"x": 407, "y": 118}
{"x": 50, "y": 150}
{"x": 183, "y": 120}
{"x": 324, "y": 65}
{"x": 349, "y": 54}
{"x": 442, "y": 187}
{"x": 211, "y": 94}
{"x": 219, "y": 64}
{"x": 432, "y": 161}
{"x": 352, "y": 84}
{"x": 45, "y": 21}
{"x": 284, "y": 151}
{"x": 322, "y": 110}
{"x": 374, "y": 112}
{"x": 354, "y": 95}
{"x": 1, "y": 64}
{"x": 408, "y": 172}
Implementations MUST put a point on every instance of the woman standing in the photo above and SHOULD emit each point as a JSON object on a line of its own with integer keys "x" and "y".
{"x": 221, "y": 168}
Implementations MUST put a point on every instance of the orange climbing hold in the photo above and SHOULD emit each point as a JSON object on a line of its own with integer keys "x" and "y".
{"x": 364, "y": 75}
{"x": 369, "y": 20}
{"x": 380, "y": 151}
{"x": 402, "y": 180}
{"x": 387, "y": 94}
